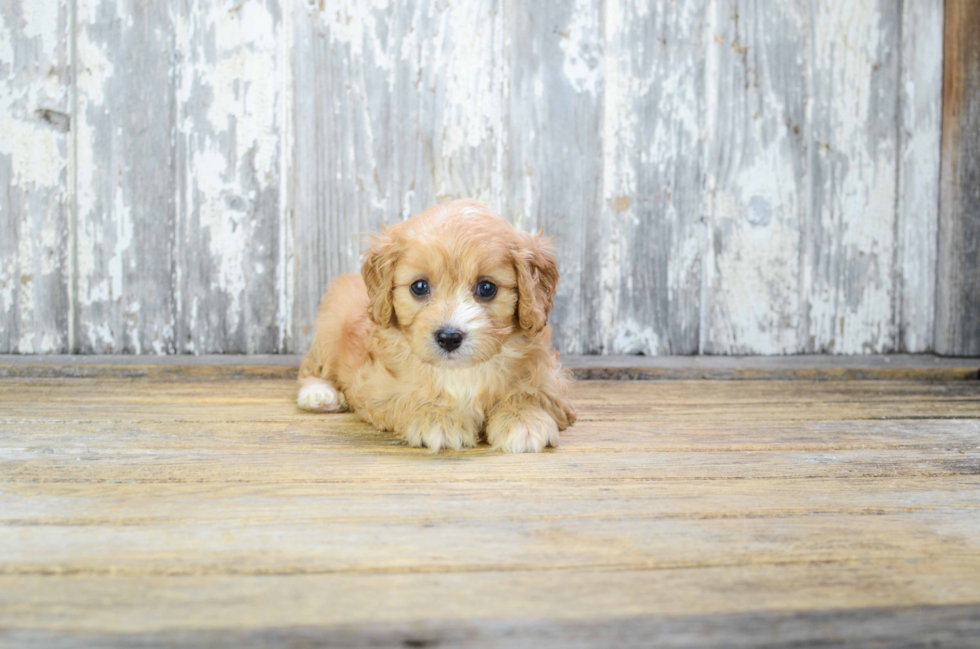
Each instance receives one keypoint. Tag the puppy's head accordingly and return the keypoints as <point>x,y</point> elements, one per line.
<point>457,280</point>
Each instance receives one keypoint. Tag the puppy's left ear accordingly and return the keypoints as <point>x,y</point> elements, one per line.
<point>378,271</point>
<point>537,281</point>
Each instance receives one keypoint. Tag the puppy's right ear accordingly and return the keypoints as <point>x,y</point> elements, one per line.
<point>378,271</point>
<point>537,282</point>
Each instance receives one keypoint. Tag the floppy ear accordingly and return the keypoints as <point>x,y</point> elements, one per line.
<point>537,282</point>
<point>378,271</point>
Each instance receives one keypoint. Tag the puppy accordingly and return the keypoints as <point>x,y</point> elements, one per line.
<point>444,335</point>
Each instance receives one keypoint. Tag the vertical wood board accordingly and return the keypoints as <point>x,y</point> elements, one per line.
<point>228,239</point>
<point>652,228</point>
<point>756,176</point>
<point>958,277</point>
<point>126,189</point>
<point>719,176</point>
<point>35,126</point>
<point>850,236</point>
<point>920,103</point>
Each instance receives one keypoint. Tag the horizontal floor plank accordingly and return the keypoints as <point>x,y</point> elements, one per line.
<point>168,511</point>
<point>806,367</point>
<point>147,604</point>
<point>129,504</point>
<point>314,546</point>
<point>49,438</point>
<point>901,627</point>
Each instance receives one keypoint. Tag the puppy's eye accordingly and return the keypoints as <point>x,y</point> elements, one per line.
<point>420,288</point>
<point>486,290</point>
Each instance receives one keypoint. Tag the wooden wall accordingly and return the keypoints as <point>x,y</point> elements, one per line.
<point>958,286</point>
<point>720,176</point>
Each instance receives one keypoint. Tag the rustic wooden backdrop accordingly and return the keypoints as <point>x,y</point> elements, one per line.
<point>720,176</point>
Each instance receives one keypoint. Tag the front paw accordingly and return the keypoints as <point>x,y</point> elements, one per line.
<point>522,431</point>
<point>316,395</point>
<point>437,431</point>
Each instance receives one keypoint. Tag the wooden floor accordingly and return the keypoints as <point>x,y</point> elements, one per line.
<point>205,510</point>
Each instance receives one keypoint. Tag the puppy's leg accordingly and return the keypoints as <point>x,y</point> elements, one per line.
<point>317,395</point>
<point>521,426</point>
<point>338,348</point>
<point>441,429</point>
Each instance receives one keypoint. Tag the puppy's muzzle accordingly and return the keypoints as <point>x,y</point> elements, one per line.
<point>449,339</point>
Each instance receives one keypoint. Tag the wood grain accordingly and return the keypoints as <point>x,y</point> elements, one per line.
<point>35,199</point>
<point>163,512</point>
<point>227,239</point>
<point>125,174</point>
<point>958,281</point>
<point>920,129</point>
<point>921,367</point>
<point>850,232</point>
<point>719,176</point>
<point>650,298</point>
<point>899,627</point>
<point>756,176</point>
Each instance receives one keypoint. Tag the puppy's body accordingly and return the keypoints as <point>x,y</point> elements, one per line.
<point>442,367</point>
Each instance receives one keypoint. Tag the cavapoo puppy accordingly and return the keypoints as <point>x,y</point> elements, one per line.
<point>444,335</point>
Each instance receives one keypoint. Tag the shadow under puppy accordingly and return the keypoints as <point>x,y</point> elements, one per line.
<point>444,335</point>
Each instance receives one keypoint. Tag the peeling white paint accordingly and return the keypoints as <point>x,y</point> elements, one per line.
<point>753,282</point>
<point>35,151</point>
<point>651,130</point>
<point>8,282</point>
<point>853,314</point>
<point>286,267</point>
<point>867,281</point>
<point>25,301</point>
<point>632,337</point>
<point>354,23</point>
<point>583,55</point>
<point>123,242</point>
<point>471,99</point>
<point>33,171</point>
<point>6,44</point>
<point>231,123</point>
<point>617,134</point>
<point>94,69</point>
<point>918,185</point>
<point>40,22</point>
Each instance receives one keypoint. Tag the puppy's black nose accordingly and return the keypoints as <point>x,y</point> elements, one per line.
<point>449,339</point>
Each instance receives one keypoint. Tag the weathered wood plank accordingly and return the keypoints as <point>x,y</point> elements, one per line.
<point>614,440</point>
<point>850,235</point>
<point>231,124</point>
<point>393,546</point>
<point>153,515</point>
<point>554,151</point>
<point>920,103</point>
<point>826,396</point>
<point>80,505</point>
<point>35,197</point>
<point>391,462</point>
<point>652,237</point>
<point>659,146</point>
<point>126,197</point>
<point>958,282</point>
<point>901,627</point>
<point>103,432</point>
<point>756,177</point>
<point>396,108</point>
<point>283,366</point>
